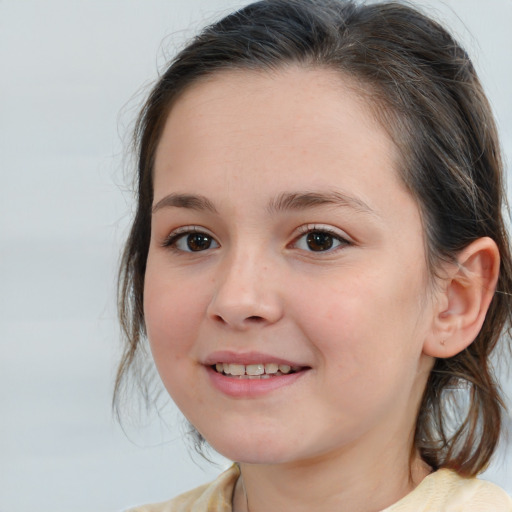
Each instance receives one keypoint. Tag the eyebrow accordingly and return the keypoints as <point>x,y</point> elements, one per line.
<point>305,200</point>
<point>283,202</point>
<point>191,201</point>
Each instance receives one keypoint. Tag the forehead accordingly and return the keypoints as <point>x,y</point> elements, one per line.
<point>293,113</point>
<point>308,127</point>
<point>298,94</point>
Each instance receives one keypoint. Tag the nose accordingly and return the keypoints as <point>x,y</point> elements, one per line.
<point>246,294</point>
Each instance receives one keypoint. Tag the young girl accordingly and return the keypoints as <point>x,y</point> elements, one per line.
<point>319,260</point>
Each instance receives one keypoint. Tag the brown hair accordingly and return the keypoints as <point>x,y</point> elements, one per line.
<point>425,91</point>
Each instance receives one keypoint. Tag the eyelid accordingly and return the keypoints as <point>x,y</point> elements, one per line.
<point>326,228</point>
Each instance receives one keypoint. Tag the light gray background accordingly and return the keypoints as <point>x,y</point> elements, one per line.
<point>69,74</point>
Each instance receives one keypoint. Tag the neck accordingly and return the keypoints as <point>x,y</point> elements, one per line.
<point>358,484</point>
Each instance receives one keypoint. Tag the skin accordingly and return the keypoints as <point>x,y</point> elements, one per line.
<point>358,315</point>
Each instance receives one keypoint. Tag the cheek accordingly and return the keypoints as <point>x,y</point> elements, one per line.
<point>365,320</point>
<point>172,322</point>
<point>172,316</point>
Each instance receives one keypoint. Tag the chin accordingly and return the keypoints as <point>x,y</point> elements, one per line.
<point>253,451</point>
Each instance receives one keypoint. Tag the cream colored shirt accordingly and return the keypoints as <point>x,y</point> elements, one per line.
<point>442,491</point>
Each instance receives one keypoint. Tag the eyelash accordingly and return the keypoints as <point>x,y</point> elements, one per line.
<point>172,240</point>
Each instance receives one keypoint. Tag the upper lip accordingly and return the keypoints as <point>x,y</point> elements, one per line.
<point>226,356</point>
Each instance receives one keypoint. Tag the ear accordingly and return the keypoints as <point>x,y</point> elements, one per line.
<point>465,293</point>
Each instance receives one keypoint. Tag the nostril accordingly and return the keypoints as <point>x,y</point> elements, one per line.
<point>218,318</point>
<point>251,319</point>
<point>255,319</point>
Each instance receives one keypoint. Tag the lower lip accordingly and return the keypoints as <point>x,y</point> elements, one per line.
<point>247,388</point>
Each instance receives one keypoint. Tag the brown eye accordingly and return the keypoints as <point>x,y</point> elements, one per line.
<point>198,242</point>
<point>319,241</point>
<point>191,241</point>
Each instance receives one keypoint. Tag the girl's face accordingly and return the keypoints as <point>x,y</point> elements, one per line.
<point>283,237</point>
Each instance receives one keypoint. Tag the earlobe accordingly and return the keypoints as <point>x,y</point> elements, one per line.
<point>462,303</point>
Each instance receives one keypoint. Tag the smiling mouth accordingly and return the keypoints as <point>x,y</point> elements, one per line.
<point>255,371</point>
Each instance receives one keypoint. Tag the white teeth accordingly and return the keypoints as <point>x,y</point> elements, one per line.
<point>234,369</point>
<point>259,370</point>
<point>255,369</point>
<point>271,368</point>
